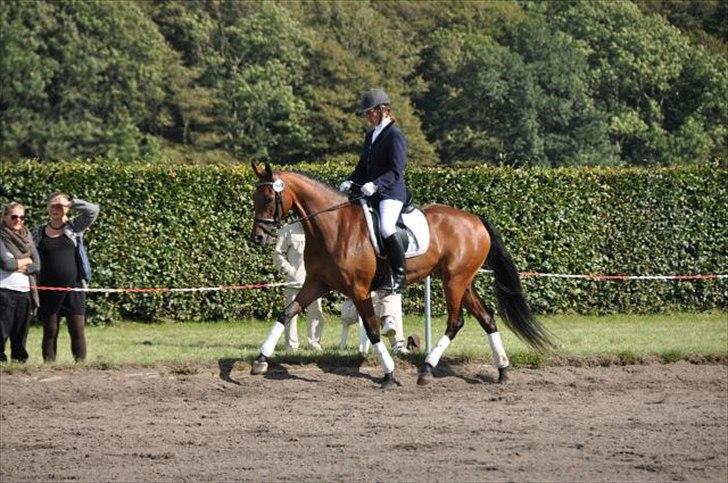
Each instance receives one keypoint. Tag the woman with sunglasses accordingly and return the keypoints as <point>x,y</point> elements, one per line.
<point>380,176</point>
<point>19,261</point>
<point>65,264</point>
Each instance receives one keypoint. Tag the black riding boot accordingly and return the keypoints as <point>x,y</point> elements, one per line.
<point>395,255</point>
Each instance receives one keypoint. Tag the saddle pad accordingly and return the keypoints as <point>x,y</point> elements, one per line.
<point>417,229</point>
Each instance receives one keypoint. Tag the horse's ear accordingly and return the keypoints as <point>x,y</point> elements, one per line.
<point>268,171</point>
<point>256,170</point>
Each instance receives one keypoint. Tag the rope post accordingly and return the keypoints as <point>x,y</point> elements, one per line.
<point>428,317</point>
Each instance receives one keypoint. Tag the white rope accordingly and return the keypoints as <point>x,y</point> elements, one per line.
<point>168,290</point>
<point>597,277</point>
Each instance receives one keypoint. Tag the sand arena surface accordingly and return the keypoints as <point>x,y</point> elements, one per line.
<point>645,422</point>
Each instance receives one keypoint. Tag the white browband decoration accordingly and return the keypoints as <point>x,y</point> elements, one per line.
<point>278,185</point>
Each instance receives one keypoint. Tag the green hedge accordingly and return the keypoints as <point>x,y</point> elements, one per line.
<point>188,226</point>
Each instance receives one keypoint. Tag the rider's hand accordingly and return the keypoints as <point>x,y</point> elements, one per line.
<point>368,189</point>
<point>345,186</point>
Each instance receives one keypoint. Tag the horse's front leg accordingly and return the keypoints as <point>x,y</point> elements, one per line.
<point>310,291</point>
<point>366,310</point>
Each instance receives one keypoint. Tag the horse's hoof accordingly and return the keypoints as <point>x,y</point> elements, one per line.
<point>260,366</point>
<point>503,376</point>
<point>425,376</point>
<point>388,382</point>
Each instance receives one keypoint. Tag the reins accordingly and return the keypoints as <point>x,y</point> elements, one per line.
<point>276,222</point>
<point>326,210</point>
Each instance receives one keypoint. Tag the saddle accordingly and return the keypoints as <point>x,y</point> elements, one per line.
<point>412,228</point>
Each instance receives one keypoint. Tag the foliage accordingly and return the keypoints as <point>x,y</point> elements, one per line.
<point>665,98</point>
<point>188,226</point>
<point>497,82</point>
<point>524,100</point>
<point>80,79</point>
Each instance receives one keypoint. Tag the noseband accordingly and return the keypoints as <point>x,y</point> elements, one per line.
<point>268,225</point>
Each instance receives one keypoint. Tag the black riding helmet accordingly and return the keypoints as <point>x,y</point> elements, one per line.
<point>373,98</point>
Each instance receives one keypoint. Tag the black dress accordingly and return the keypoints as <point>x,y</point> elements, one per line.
<point>60,269</point>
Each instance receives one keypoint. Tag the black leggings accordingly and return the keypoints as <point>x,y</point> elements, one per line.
<point>76,330</point>
<point>15,312</point>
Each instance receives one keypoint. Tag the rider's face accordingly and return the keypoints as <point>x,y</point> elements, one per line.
<point>373,115</point>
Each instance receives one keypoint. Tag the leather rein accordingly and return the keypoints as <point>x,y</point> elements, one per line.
<point>268,225</point>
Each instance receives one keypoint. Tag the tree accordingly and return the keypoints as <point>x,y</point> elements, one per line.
<point>85,79</point>
<point>665,97</point>
<point>573,130</point>
<point>354,49</point>
<point>259,83</point>
<point>481,101</point>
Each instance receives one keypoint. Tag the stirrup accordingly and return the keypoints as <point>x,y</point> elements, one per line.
<point>398,285</point>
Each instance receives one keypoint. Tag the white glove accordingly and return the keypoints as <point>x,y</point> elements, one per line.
<point>368,189</point>
<point>345,186</point>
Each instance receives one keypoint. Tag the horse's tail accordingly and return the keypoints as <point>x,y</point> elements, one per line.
<point>512,303</point>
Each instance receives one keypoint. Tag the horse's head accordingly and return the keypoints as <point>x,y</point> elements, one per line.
<point>268,205</point>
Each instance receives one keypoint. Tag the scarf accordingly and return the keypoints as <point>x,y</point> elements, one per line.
<point>20,245</point>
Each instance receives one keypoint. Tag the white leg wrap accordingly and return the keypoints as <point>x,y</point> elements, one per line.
<point>500,359</point>
<point>270,342</point>
<point>434,356</point>
<point>384,358</point>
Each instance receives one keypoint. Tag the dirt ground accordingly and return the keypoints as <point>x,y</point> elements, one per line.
<point>309,423</point>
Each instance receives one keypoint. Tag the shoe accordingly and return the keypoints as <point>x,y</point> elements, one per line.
<point>401,349</point>
<point>388,329</point>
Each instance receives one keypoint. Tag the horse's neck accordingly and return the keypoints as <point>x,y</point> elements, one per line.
<point>309,199</point>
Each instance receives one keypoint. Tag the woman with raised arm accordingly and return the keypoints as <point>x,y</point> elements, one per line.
<point>65,264</point>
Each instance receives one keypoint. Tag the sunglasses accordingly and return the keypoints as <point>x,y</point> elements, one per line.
<point>57,205</point>
<point>17,217</point>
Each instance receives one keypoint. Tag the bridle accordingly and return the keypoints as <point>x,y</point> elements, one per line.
<point>268,225</point>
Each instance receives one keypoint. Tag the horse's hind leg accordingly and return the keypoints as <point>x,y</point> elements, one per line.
<point>453,296</point>
<point>371,325</point>
<point>477,307</point>
<point>308,293</point>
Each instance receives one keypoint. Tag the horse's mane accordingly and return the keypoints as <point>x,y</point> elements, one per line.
<point>319,183</point>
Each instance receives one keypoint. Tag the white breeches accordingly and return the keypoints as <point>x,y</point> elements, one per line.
<point>385,305</point>
<point>389,211</point>
<point>315,321</point>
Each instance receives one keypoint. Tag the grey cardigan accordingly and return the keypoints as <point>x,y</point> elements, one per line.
<point>9,263</point>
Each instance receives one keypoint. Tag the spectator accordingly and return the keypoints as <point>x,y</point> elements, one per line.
<point>19,262</point>
<point>65,264</point>
<point>288,257</point>
<point>388,309</point>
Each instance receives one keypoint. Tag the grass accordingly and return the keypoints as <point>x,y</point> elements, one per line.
<point>621,339</point>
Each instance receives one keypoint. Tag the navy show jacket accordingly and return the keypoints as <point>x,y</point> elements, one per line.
<point>383,163</point>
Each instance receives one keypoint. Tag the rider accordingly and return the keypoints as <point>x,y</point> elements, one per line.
<point>380,175</point>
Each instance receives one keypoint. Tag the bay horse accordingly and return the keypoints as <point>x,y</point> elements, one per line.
<point>339,256</point>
